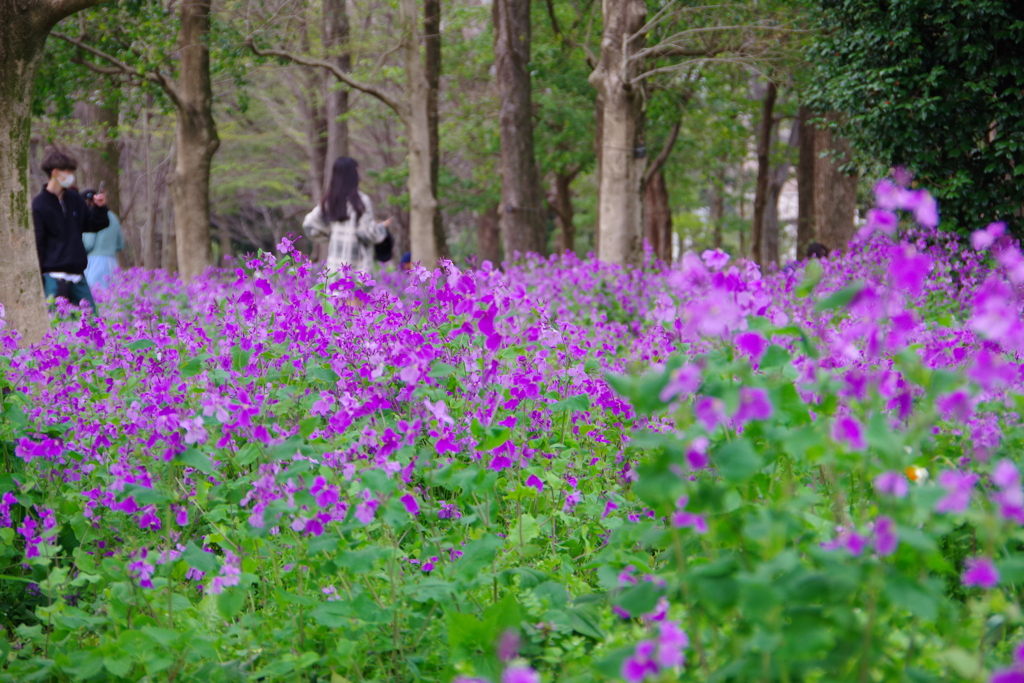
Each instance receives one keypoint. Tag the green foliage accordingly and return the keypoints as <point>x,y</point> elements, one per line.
<point>934,85</point>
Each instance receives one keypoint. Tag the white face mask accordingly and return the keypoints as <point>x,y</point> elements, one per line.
<point>67,181</point>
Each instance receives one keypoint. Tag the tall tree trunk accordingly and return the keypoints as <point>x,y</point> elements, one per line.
<point>169,257</point>
<point>805,226</point>
<point>196,141</point>
<point>717,209</point>
<point>598,146</point>
<point>335,37</point>
<point>422,203</point>
<point>764,141</point>
<point>522,200</point>
<point>487,236</point>
<point>101,161</point>
<point>658,216</point>
<point>21,285</point>
<point>622,158</point>
<point>561,202</point>
<point>432,66</point>
<point>149,255</point>
<point>770,236</point>
<point>835,193</point>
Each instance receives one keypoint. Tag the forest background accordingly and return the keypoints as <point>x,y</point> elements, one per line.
<point>755,127</point>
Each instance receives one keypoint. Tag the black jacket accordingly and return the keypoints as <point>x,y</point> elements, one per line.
<point>59,230</point>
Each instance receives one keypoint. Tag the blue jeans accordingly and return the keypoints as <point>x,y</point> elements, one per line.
<point>72,291</point>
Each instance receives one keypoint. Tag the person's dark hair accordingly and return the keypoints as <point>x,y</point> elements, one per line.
<point>343,192</point>
<point>56,159</point>
<point>817,250</point>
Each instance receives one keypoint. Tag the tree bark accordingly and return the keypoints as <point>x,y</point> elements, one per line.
<point>717,209</point>
<point>522,200</point>
<point>149,255</point>
<point>432,67</point>
<point>169,257</point>
<point>101,161</point>
<point>335,38</point>
<point>23,30</point>
<point>805,226</point>
<point>561,202</point>
<point>658,216</point>
<point>622,156</point>
<point>487,236</point>
<point>764,140</point>
<point>835,193</point>
<point>598,146</point>
<point>426,248</point>
<point>196,141</point>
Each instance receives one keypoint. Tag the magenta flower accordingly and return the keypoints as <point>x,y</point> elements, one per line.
<point>520,674</point>
<point>412,506</point>
<point>641,665</point>
<point>508,645</point>
<point>716,259</point>
<point>923,206</point>
<point>710,411</point>
<point>684,380</point>
<point>682,519</point>
<point>885,536</point>
<point>534,481</point>
<point>959,486</point>
<point>981,572</point>
<point>754,405</point>
<point>751,345</point>
<point>849,431</point>
<point>892,483</point>
<point>880,220</point>
<point>983,239</point>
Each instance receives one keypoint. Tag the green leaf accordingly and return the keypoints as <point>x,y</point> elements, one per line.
<point>141,344</point>
<point>838,299</point>
<point>496,439</point>
<point>247,454</point>
<point>325,543</point>
<point>190,368</point>
<point>308,426</point>
<point>812,276</point>
<point>478,554</point>
<point>194,458</point>
<point>439,370</point>
<point>198,558</point>
<point>775,357</point>
<point>230,601</point>
<point>579,402</point>
<point>335,614</point>
<point>737,460</point>
<point>640,599</point>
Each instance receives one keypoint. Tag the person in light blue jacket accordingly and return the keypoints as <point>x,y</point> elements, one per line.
<point>102,248</point>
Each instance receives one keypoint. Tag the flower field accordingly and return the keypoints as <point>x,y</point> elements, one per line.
<point>564,471</point>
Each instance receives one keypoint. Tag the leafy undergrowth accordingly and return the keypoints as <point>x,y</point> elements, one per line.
<point>562,472</point>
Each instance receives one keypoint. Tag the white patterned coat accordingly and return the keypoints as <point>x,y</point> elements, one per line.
<point>351,241</point>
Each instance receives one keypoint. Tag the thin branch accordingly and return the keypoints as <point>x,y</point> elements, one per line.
<point>396,106</point>
<point>151,76</point>
<point>662,157</point>
<point>744,61</point>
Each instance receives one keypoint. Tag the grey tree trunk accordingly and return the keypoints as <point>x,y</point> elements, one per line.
<point>335,37</point>
<point>805,226</point>
<point>622,158</point>
<point>149,255</point>
<point>658,216</point>
<point>717,209</point>
<point>598,145</point>
<point>23,30</point>
<point>764,139</point>
<point>196,141</point>
<point>561,202</point>
<point>422,201</point>
<point>101,162</point>
<point>522,200</point>
<point>835,193</point>
<point>432,67</point>
<point>487,237</point>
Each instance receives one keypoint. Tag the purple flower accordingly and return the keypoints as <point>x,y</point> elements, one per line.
<point>983,239</point>
<point>685,520</point>
<point>754,405</point>
<point>684,380</point>
<point>881,220</point>
<point>956,406</point>
<point>886,537</point>
<point>641,665</point>
<point>959,486</point>
<point>366,511</point>
<point>710,411</point>
<point>571,501</point>
<point>412,506</point>
<point>520,674</point>
<point>849,431</point>
<point>449,511</point>
<point>752,345</point>
<point>716,259</point>
<point>924,207</point>
<point>980,571</point>
<point>508,645</point>
<point>892,483</point>
<point>853,542</point>
<point>1005,474</point>
<point>534,481</point>
<point>672,640</point>
<point>429,565</point>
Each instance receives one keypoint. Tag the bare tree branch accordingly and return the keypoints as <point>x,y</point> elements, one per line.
<point>151,76</point>
<point>662,157</point>
<point>49,12</point>
<point>398,107</point>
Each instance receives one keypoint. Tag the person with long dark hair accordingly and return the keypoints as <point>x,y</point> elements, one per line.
<point>345,217</point>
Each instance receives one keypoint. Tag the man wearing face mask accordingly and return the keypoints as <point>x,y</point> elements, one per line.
<point>61,216</point>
